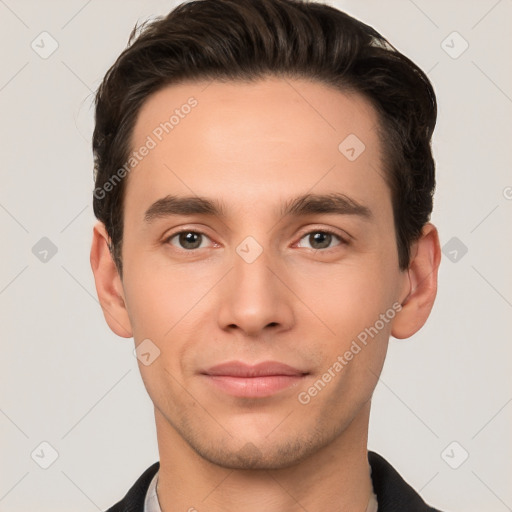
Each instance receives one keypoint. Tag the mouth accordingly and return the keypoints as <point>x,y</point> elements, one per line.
<point>253,381</point>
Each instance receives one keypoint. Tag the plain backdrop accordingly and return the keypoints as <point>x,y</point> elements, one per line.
<point>68,382</point>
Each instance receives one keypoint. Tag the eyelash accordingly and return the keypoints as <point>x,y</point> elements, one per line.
<point>343,241</point>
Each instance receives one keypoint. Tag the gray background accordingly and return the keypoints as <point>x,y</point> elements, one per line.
<point>68,381</point>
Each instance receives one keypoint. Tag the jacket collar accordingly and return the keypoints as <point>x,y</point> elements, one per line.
<point>393,493</point>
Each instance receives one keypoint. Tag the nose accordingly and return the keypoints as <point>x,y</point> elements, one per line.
<point>254,297</point>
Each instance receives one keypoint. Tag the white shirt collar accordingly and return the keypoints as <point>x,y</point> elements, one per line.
<point>151,503</point>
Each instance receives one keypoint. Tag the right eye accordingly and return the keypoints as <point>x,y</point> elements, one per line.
<point>187,239</point>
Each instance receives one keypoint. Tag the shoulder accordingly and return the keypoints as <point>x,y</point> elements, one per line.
<point>134,498</point>
<point>393,493</point>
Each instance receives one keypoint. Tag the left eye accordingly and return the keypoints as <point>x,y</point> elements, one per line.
<point>321,239</point>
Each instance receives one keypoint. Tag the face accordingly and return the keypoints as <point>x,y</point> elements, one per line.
<point>271,314</point>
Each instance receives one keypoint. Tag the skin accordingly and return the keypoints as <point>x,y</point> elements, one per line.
<point>254,146</point>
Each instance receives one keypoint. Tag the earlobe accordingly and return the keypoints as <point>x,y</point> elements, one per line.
<point>108,283</point>
<point>422,271</point>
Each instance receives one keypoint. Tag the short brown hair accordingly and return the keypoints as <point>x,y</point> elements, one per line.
<point>252,39</point>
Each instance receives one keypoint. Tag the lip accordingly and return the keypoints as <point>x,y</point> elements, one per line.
<point>253,381</point>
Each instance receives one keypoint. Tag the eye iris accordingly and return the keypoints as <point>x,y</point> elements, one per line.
<point>190,240</point>
<point>324,240</point>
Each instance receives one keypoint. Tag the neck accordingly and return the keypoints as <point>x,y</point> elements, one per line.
<point>335,478</point>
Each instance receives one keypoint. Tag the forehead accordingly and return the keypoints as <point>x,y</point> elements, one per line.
<point>255,141</point>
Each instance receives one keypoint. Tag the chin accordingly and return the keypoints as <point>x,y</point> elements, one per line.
<point>260,454</point>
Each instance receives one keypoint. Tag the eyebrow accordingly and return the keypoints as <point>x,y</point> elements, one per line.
<point>307,204</point>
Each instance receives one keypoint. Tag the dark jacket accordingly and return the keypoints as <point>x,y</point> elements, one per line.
<point>393,493</point>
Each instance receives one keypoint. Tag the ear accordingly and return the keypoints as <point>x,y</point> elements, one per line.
<point>109,286</point>
<point>417,305</point>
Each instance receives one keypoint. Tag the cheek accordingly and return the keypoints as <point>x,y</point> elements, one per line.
<point>162,383</point>
<point>360,313</point>
<point>148,305</point>
<point>350,296</point>
<point>159,295</point>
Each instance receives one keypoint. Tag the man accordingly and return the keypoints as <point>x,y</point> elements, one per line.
<point>264,182</point>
